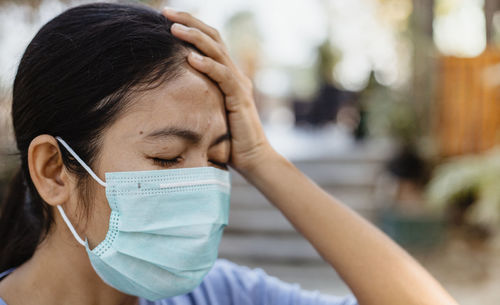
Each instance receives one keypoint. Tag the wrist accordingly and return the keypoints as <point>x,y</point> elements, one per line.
<point>261,164</point>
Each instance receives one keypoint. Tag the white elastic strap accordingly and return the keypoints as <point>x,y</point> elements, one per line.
<point>70,226</point>
<point>88,169</point>
<point>193,183</point>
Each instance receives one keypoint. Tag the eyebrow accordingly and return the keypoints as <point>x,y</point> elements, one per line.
<point>186,134</point>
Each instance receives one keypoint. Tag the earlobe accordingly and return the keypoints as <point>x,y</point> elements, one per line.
<point>47,170</point>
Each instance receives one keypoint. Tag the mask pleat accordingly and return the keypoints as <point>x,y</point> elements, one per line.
<point>162,283</point>
<point>171,211</point>
<point>184,254</point>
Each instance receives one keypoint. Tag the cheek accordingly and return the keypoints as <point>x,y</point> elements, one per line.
<point>122,156</point>
<point>98,221</point>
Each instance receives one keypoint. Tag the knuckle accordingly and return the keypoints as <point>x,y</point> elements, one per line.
<point>212,64</point>
<point>246,103</point>
<point>184,15</point>
<point>220,52</point>
<point>213,32</point>
<point>197,33</point>
<point>227,73</point>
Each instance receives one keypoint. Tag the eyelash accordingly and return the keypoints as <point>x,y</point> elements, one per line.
<point>171,162</point>
<point>166,162</point>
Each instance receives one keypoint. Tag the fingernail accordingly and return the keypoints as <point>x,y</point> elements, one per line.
<point>169,10</point>
<point>180,27</point>
<point>196,56</point>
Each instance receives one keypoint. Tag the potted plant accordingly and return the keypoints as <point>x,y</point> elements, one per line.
<point>467,189</point>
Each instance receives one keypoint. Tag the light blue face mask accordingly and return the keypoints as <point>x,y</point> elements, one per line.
<point>164,229</point>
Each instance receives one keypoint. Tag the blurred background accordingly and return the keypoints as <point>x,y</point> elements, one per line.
<point>392,106</point>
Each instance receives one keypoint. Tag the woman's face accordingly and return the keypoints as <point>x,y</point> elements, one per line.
<point>181,123</point>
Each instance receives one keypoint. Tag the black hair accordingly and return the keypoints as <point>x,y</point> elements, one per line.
<point>74,79</point>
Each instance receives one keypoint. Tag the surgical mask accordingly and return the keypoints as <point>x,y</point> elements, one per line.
<point>164,229</point>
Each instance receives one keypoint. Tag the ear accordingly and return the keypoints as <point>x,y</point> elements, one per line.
<point>47,170</point>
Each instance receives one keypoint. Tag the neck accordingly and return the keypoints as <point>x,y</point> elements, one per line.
<point>59,272</point>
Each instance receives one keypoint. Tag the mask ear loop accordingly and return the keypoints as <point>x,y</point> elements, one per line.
<point>88,169</point>
<point>91,173</point>
<point>70,226</point>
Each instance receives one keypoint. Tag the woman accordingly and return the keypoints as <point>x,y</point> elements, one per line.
<point>125,125</point>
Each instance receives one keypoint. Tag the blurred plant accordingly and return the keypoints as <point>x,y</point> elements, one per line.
<point>470,183</point>
<point>244,41</point>
<point>390,114</point>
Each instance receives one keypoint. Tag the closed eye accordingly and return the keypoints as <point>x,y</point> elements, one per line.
<point>166,162</point>
<point>177,160</point>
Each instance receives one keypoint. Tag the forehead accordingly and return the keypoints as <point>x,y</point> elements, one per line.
<point>191,100</point>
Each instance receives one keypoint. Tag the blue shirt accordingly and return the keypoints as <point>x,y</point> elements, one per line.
<point>228,283</point>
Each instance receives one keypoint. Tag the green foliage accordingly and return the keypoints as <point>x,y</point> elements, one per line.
<point>469,176</point>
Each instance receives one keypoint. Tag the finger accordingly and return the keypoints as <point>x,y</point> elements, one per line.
<point>218,72</point>
<point>188,20</point>
<point>201,40</point>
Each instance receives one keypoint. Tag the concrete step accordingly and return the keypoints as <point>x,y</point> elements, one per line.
<point>282,248</point>
<point>247,197</point>
<point>269,221</point>
<point>257,231</point>
<point>352,183</point>
<point>258,221</point>
<point>333,173</point>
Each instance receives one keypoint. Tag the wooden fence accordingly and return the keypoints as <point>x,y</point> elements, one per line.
<point>468,103</point>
